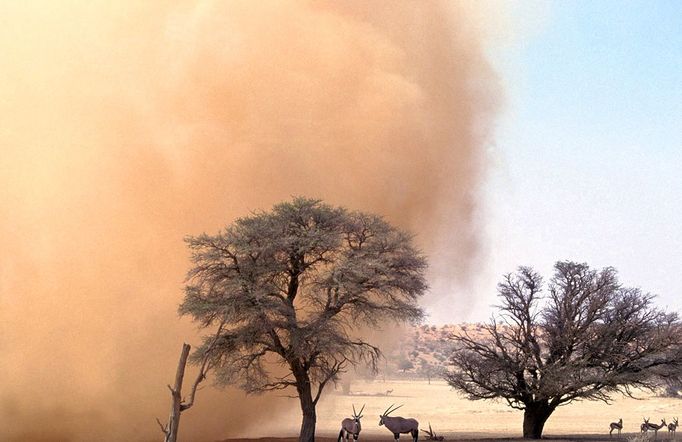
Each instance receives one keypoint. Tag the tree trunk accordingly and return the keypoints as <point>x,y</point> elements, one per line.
<point>305,395</point>
<point>170,430</point>
<point>534,417</point>
<point>308,425</point>
<point>176,396</point>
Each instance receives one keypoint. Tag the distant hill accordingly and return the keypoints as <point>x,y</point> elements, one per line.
<point>423,351</point>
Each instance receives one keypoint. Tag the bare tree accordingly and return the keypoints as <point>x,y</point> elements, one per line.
<point>587,338</point>
<point>178,403</point>
<point>292,286</point>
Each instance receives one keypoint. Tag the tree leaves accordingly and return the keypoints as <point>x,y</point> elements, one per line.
<point>587,338</point>
<point>292,285</point>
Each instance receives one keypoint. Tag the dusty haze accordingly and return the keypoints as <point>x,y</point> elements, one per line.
<point>126,125</point>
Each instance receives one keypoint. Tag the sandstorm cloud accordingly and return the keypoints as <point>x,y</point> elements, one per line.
<point>128,125</point>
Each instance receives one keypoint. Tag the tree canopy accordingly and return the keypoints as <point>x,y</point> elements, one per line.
<point>586,338</point>
<point>289,289</point>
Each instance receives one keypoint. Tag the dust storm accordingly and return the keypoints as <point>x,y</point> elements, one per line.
<point>127,125</point>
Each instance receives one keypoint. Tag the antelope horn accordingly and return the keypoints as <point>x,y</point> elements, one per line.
<point>386,412</point>
<point>360,413</point>
<point>395,409</point>
<point>354,413</point>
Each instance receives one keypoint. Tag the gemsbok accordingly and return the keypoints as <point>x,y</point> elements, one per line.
<point>654,427</point>
<point>399,425</point>
<point>672,427</point>
<point>351,426</point>
<point>432,434</point>
<point>616,426</point>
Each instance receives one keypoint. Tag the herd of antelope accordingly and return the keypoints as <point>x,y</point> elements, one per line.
<point>648,426</point>
<point>395,424</point>
<point>400,425</point>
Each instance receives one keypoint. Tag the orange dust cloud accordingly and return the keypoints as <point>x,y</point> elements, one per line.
<point>127,125</point>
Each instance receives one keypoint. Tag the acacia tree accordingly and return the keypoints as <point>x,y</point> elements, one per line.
<point>290,287</point>
<point>587,338</point>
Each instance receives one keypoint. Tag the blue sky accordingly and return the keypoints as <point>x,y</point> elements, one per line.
<point>587,156</point>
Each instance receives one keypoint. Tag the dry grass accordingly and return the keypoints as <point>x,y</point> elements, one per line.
<point>464,438</point>
<point>459,419</point>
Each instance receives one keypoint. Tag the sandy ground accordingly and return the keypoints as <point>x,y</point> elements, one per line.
<point>457,418</point>
<point>465,438</point>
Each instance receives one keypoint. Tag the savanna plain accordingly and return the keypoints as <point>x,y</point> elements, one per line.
<point>457,418</point>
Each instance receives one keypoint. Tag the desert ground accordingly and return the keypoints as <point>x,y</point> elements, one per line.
<point>457,418</point>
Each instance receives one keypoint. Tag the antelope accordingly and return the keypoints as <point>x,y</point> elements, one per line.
<point>672,427</point>
<point>388,392</point>
<point>432,434</point>
<point>351,426</point>
<point>616,426</point>
<point>645,426</point>
<point>650,426</point>
<point>398,425</point>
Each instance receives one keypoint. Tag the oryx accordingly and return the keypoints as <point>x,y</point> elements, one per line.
<point>398,425</point>
<point>351,426</point>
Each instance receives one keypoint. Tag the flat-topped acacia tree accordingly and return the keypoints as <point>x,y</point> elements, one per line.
<point>585,338</point>
<point>290,288</point>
